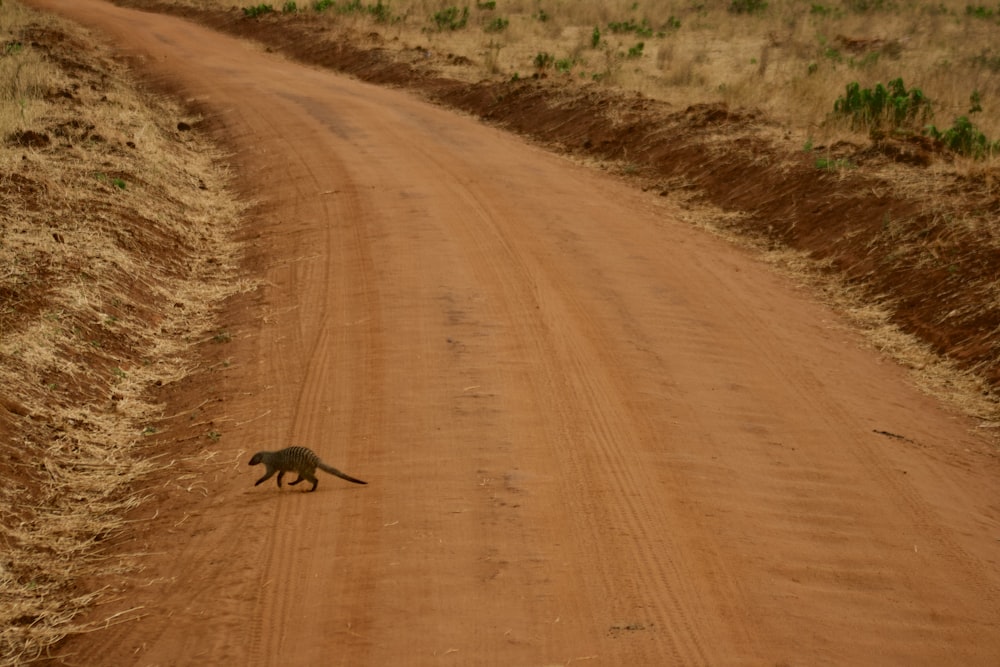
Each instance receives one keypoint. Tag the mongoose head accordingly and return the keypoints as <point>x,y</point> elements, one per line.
<point>256,458</point>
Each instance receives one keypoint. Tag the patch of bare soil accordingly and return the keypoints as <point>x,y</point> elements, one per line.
<point>895,219</point>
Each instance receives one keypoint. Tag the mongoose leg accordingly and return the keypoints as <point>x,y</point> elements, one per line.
<point>266,477</point>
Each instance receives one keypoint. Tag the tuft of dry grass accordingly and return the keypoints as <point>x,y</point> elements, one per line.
<point>116,250</point>
<point>25,76</point>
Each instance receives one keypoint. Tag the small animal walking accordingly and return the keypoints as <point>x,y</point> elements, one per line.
<point>296,459</point>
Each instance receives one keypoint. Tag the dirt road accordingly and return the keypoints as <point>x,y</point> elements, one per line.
<point>591,434</point>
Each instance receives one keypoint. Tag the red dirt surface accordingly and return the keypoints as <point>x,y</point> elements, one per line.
<point>927,252</point>
<point>591,433</point>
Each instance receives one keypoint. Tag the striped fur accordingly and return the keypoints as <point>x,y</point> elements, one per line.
<point>301,460</point>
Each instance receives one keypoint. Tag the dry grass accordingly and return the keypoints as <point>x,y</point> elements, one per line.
<point>791,60</point>
<point>24,75</point>
<point>116,250</point>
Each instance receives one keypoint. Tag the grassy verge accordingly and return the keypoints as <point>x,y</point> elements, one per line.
<point>115,227</point>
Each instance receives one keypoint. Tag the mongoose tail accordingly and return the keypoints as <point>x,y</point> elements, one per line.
<point>333,471</point>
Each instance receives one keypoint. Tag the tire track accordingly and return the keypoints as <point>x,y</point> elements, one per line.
<point>338,364</point>
<point>818,502</point>
<point>568,374</point>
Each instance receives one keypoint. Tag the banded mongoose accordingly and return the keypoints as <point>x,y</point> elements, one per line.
<point>296,459</point>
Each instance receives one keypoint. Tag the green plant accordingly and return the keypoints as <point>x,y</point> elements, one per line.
<point>489,4</point>
<point>636,51</point>
<point>975,102</point>
<point>965,139</point>
<point>117,182</point>
<point>451,18</point>
<point>747,6</point>
<point>290,7</point>
<point>891,106</point>
<point>564,64</point>
<point>542,15</point>
<point>833,164</point>
<point>256,11</point>
<point>322,5</point>
<point>868,60</point>
<point>642,29</point>
<point>864,6</point>
<point>379,11</point>
<point>595,38</point>
<point>497,25</point>
<point>543,60</point>
<point>979,12</point>
<point>213,436</point>
<point>988,60</point>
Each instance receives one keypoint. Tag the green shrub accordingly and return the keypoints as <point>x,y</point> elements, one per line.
<point>636,51</point>
<point>380,11</point>
<point>965,139</point>
<point>865,6</point>
<point>595,38</point>
<point>451,18</point>
<point>543,60</point>
<point>489,4</point>
<point>564,65</point>
<point>979,12</point>
<point>747,6</point>
<point>497,25</point>
<point>290,7</point>
<point>884,107</point>
<point>257,11</point>
<point>642,29</point>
